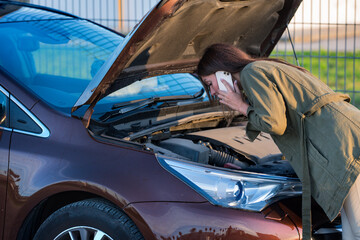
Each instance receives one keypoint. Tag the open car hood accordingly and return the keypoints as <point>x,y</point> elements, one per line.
<point>172,37</point>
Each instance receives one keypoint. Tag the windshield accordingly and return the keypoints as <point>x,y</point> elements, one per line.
<point>184,87</point>
<point>165,85</point>
<point>55,59</point>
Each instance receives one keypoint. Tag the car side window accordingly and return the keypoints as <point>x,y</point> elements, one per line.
<point>4,109</point>
<point>21,121</point>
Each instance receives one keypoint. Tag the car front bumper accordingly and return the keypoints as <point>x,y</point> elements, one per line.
<point>177,220</point>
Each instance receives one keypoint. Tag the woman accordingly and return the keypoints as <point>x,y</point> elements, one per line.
<point>316,129</point>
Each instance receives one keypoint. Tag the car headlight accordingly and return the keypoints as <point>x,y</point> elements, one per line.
<point>233,189</point>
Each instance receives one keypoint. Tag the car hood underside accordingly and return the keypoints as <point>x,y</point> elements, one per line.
<point>172,37</point>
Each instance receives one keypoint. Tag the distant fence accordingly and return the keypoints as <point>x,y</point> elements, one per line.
<point>326,37</point>
<point>325,34</point>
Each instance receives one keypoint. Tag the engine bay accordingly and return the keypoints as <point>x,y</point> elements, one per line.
<point>204,138</point>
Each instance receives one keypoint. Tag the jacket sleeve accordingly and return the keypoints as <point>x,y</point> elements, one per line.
<point>267,110</point>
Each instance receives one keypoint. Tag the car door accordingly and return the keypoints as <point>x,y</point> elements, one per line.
<point>5,134</point>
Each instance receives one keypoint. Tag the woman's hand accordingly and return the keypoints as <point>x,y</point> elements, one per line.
<point>234,99</point>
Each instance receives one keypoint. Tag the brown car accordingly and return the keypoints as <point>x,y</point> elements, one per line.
<point>110,137</point>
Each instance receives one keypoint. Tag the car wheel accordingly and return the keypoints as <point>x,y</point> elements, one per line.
<point>91,219</point>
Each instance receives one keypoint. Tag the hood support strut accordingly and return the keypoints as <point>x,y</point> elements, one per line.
<point>87,116</point>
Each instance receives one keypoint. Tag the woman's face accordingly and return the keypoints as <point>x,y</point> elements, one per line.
<point>211,82</point>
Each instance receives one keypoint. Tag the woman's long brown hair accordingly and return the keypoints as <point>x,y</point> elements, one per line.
<point>226,57</point>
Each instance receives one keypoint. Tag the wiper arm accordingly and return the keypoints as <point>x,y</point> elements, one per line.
<point>133,105</point>
<point>159,99</point>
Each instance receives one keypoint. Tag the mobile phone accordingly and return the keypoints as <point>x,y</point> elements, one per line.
<point>227,77</point>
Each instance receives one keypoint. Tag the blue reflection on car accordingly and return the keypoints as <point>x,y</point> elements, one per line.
<point>56,56</point>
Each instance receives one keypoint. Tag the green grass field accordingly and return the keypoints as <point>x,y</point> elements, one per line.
<point>341,71</point>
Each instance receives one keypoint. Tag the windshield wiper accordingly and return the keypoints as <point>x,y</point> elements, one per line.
<point>133,105</point>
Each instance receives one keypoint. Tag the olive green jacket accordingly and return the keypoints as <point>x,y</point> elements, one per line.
<point>304,116</point>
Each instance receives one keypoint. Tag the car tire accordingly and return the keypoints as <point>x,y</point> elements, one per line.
<point>88,219</point>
